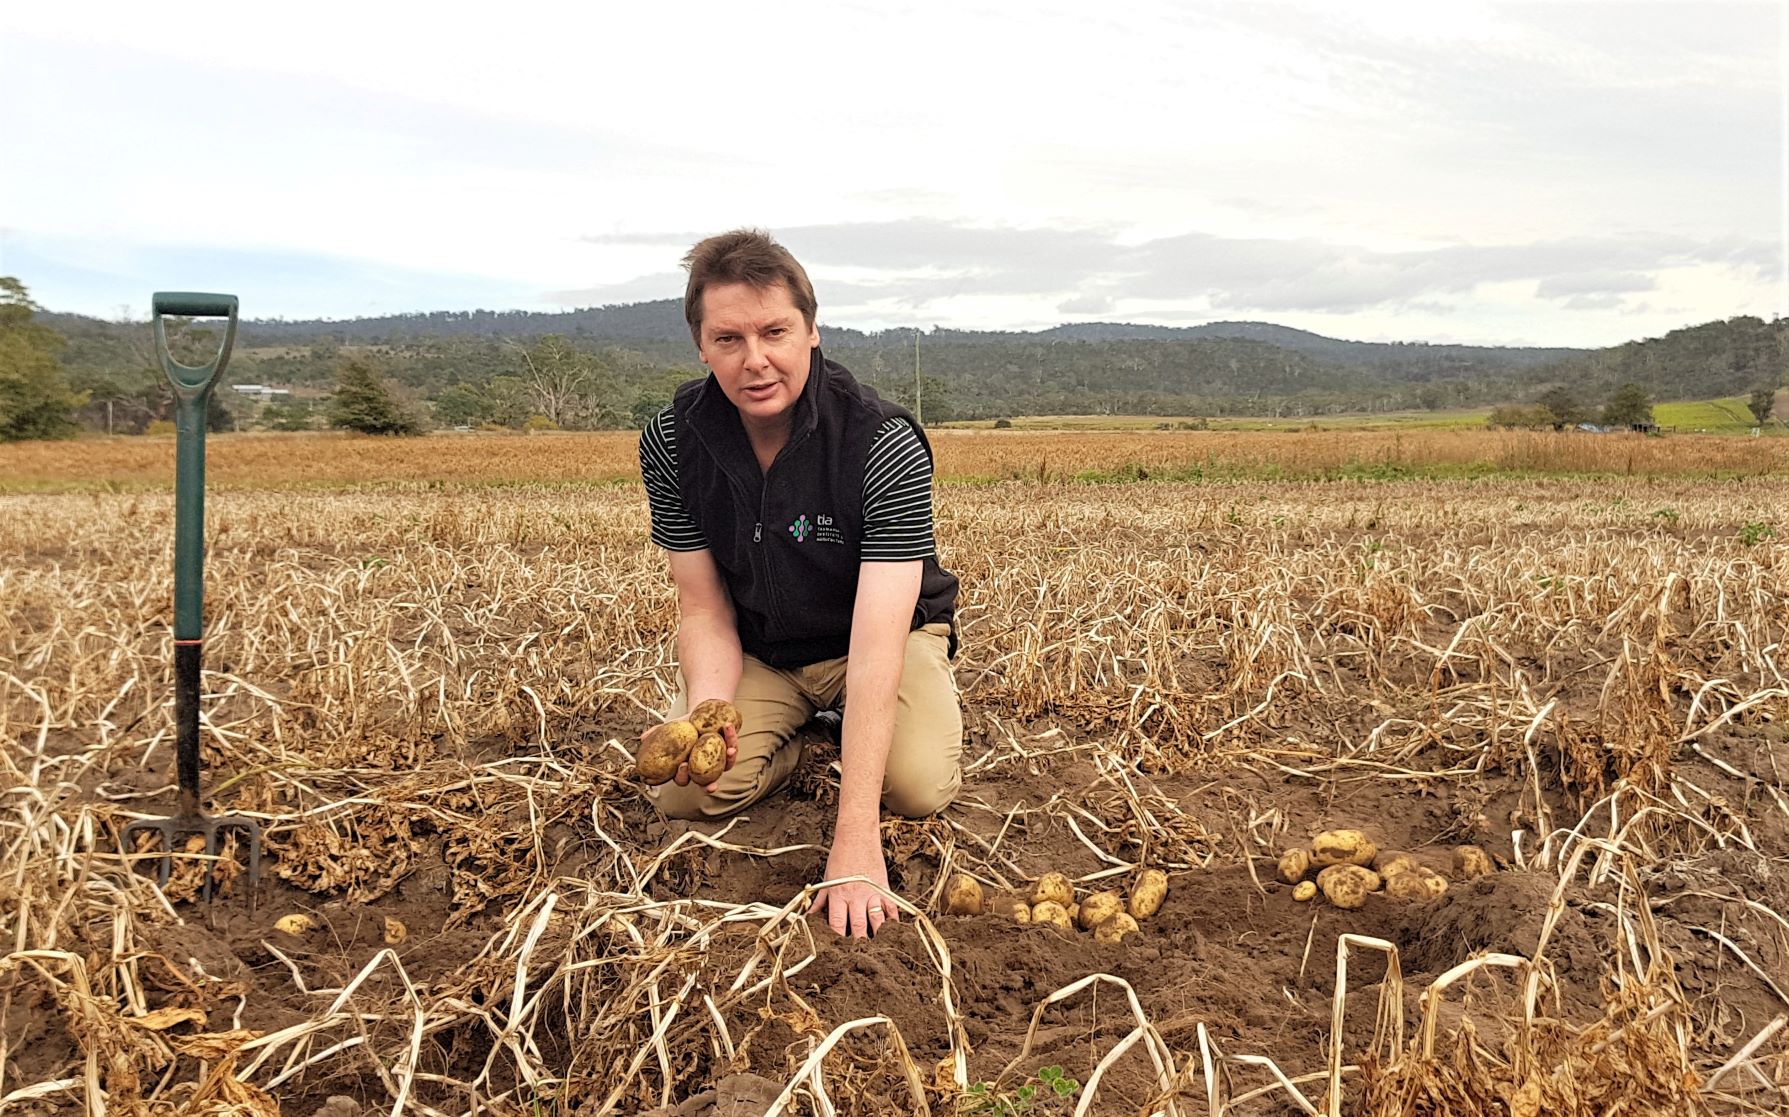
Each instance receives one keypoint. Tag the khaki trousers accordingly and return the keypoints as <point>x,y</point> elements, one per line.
<point>924,760</point>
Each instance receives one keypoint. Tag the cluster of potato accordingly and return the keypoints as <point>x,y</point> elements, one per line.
<point>1107,914</point>
<point>1349,865</point>
<point>696,738</point>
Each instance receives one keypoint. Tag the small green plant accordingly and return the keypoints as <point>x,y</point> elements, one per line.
<point>1755,532</point>
<point>1669,515</point>
<point>983,1098</point>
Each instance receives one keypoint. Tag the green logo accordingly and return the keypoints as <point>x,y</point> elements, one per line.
<point>801,529</point>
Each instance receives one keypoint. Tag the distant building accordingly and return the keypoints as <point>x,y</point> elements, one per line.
<point>261,393</point>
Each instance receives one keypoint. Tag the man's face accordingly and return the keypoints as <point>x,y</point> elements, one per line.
<point>759,347</point>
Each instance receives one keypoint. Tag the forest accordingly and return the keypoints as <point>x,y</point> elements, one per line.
<point>611,367</point>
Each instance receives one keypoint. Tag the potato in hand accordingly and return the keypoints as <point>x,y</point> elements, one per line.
<point>714,714</point>
<point>708,759</point>
<point>662,749</point>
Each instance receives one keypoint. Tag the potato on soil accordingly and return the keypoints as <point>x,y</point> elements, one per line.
<point>1471,861</point>
<point>1098,908</point>
<point>1148,893</point>
<point>962,896</point>
<point>1347,886</point>
<point>1053,913</point>
<point>1074,914</point>
<point>1415,886</point>
<point>708,759</point>
<point>710,715</point>
<point>1053,888</point>
<point>1391,861</point>
<point>1016,909</point>
<point>1294,864</point>
<point>297,923</point>
<point>1305,890</point>
<point>1114,929</point>
<point>662,749</point>
<point>1342,847</point>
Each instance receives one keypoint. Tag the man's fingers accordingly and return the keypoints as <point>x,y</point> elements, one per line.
<point>682,778</point>
<point>838,914</point>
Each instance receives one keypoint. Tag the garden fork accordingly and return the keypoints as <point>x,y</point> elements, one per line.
<point>192,393</point>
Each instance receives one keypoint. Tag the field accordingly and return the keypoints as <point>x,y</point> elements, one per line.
<point>425,659</point>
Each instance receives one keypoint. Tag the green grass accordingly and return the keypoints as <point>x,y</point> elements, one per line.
<point>1712,415</point>
<point>1473,418</point>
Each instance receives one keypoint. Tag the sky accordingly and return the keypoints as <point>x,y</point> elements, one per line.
<point>1570,172</point>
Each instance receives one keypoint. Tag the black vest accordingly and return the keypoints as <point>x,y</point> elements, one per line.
<point>787,542</point>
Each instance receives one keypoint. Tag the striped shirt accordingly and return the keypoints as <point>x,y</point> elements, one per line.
<point>897,493</point>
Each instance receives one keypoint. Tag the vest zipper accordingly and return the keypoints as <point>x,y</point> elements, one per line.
<point>758,529</point>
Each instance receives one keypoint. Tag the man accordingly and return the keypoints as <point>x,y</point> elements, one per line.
<point>795,506</point>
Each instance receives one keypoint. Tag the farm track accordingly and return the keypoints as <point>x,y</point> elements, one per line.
<point>426,696</point>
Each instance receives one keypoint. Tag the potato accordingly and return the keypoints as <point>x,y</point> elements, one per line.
<point>1098,908</point>
<point>1148,893</point>
<point>663,748</point>
<point>708,759</point>
<point>710,715</point>
<point>1389,862</point>
<point>1294,864</point>
<point>1017,910</point>
<point>1074,914</point>
<point>1471,861</point>
<point>1347,886</point>
<point>1053,888</point>
<point>1414,886</point>
<point>1114,929</point>
<point>297,923</point>
<point>962,896</point>
<point>1305,890</point>
<point>1053,913</point>
<point>1342,847</point>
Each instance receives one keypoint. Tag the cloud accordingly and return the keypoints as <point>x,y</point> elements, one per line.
<point>923,261</point>
<point>1594,283</point>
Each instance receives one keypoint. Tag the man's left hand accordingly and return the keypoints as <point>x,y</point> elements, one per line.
<point>854,907</point>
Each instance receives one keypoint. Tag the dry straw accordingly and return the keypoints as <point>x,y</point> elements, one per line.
<point>439,681</point>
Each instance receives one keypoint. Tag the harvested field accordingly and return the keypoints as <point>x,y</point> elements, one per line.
<point>426,696</point>
<point>338,461</point>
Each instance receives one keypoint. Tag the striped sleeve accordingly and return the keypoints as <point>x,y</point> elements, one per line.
<point>897,496</point>
<point>672,527</point>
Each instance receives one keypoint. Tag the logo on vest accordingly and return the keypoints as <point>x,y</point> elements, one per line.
<point>821,529</point>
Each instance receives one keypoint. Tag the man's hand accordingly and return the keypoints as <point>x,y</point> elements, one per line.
<point>731,736</point>
<point>856,908</point>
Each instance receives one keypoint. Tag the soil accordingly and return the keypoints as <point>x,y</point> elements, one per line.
<point>1230,948</point>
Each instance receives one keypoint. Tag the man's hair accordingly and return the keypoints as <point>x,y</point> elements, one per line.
<point>744,256</point>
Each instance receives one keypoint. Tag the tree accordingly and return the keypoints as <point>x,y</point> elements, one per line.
<point>35,399</point>
<point>362,402</point>
<point>1764,398</point>
<point>1629,405</point>
<point>1563,406</point>
<point>569,386</point>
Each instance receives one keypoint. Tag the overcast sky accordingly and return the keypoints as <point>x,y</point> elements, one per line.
<point>1571,172</point>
